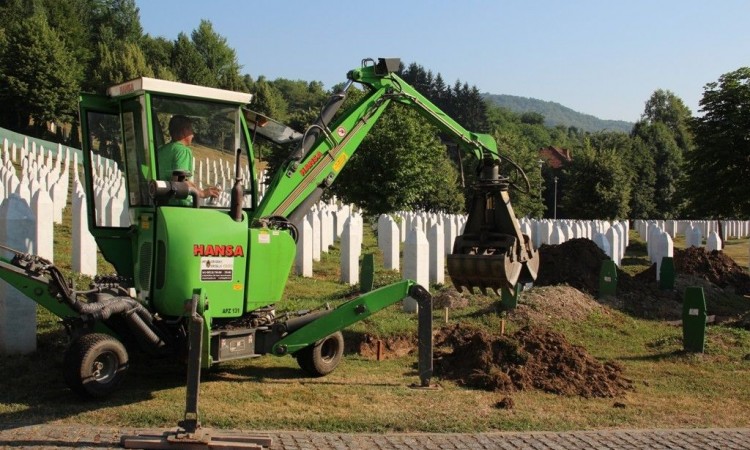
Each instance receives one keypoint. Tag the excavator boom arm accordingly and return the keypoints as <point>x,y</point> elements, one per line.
<point>492,244</point>
<point>318,162</point>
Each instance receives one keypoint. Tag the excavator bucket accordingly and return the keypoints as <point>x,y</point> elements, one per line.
<point>492,253</point>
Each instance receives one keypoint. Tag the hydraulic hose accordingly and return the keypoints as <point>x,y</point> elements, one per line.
<point>321,123</point>
<point>139,319</point>
<point>139,326</point>
<point>296,323</point>
<point>136,316</point>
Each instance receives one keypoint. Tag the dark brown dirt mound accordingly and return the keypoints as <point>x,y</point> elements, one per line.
<point>532,358</point>
<point>576,262</point>
<point>714,266</point>
<point>387,348</point>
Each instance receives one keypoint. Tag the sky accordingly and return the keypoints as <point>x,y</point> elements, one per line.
<point>598,57</point>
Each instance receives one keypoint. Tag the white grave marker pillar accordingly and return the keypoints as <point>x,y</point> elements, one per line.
<point>83,257</point>
<point>17,312</point>
<point>416,263</point>
<point>350,251</point>
<point>303,261</point>
<point>436,240</point>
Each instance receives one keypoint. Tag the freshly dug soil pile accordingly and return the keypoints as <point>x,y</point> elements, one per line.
<point>714,266</point>
<point>532,358</point>
<point>449,298</point>
<point>545,303</point>
<point>576,262</point>
<point>387,348</point>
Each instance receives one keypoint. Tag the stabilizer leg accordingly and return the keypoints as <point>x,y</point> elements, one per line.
<point>190,435</point>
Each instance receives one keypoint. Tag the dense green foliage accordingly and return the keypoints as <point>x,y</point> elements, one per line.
<point>400,165</point>
<point>719,167</point>
<point>38,81</point>
<point>669,164</point>
<point>596,185</point>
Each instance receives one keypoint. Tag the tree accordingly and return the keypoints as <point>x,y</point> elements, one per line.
<point>514,147</point>
<point>664,131</point>
<point>439,91</point>
<point>39,75</point>
<point>668,161</point>
<point>158,54</point>
<point>71,19</point>
<point>665,107</point>
<point>125,61</point>
<point>596,186</point>
<point>188,63</point>
<point>401,164</point>
<point>218,57</point>
<point>113,24</point>
<point>641,167</point>
<point>301,95</point>
<point>532,118</point>
<point>719,167</point>
<point>268,100</point>
<point>120,16</point>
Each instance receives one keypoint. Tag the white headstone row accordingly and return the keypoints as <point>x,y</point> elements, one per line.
<point>110,194</point>
<point>611,237</point>
<point>29,207</point>
<point>37,173</point>
<point>737,229</point>
<point>43,188</point>
<point>221,174</point>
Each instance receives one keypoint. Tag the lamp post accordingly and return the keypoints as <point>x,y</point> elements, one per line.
<point>541,186</point>
<point>555,216</point>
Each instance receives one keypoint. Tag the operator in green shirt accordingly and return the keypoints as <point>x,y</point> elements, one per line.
<point>176,155</point>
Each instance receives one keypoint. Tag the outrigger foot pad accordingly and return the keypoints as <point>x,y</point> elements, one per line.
<point>201,439</point>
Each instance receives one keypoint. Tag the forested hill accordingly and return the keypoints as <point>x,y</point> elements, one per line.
<point>557,114</point>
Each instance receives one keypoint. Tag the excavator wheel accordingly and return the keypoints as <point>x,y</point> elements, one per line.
<point>94,365</point>
<point>323,357</point>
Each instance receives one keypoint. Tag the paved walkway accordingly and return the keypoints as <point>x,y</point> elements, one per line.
<point>86,437</point>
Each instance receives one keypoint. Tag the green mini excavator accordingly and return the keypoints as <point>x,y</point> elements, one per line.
<point>203,278</point>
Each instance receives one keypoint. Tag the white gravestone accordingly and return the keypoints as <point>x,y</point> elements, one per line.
<point>416,263</point>
<point>17,312</point>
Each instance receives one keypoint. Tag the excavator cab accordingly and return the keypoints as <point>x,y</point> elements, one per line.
<point>152,224</point>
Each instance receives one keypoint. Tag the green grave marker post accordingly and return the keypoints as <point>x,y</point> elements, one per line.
<point>694,320</point>
<point>608,278</point>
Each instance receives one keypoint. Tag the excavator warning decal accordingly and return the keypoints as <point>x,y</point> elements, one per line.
<point>217,269</point>
<point>340,161</point>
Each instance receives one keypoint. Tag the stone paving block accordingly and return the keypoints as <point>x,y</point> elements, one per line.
<point>73,436</point>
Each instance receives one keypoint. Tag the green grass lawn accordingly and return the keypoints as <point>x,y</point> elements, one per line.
<point>671,388</point>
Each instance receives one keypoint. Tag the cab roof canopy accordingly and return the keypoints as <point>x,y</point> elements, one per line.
<point>154,86</point>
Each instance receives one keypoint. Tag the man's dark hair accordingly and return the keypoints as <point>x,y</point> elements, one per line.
<point>180,127</point>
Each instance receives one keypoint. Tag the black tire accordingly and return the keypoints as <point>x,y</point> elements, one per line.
<point>323,357</point>
<point>94,365</point>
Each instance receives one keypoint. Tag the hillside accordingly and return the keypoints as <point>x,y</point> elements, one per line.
<point>557,114</point>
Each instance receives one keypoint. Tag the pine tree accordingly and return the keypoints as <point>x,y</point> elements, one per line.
<point>39,77</point>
